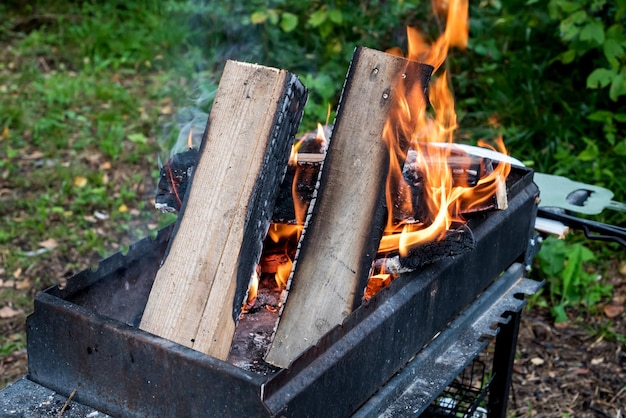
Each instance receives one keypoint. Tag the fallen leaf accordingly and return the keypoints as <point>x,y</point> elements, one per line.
<point>8,283</point>
<point>80,181</point>
<point>17,273</point>
<point>561,325</point>
<point>166,110</point>
<point>49,244</point>
<point>23,284</point>
<point>34,156</point>
<point>105,165</point>
<point>581,371</point>
<point>123,208</point>
<point>5,133</point>
<point>596,361</point>
<point>612,311</point>
<point>8,312</point>
<point>537,361</point>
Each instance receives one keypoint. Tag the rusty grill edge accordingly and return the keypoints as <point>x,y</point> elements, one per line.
<point>85,336</point>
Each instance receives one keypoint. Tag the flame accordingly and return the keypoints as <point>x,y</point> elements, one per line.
<point>289,234</point>
<point>252,292</point>
<point>445,197</point>
<point>282,273</point>
<point>190,138</point>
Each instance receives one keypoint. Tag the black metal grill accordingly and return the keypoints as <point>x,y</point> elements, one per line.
<point>85,336</point>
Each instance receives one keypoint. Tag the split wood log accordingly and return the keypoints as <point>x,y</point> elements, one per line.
<point>199,290</point>
<point>346,219</point>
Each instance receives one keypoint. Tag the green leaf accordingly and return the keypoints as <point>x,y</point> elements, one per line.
<point>568,56</point>
<point>600,77</point>
<point>552,256</point>
<point>258,17</point>
<point>593,31</point>
<point>590,153</point>
<point>335,16</point>
<point>601,116</point>
<point>613,51</point>
<point>288,22</point>
<point>572,269</point>
<point>273,17</point>
<point>620,148</point>
<point>317,17</point>
<point>615,32</point>
<point>138,138</point>
<point>558,311</point>
<point>620,117</point>
<point>618,85</point>
<point>570,27</point>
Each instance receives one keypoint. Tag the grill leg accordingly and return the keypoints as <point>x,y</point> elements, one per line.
<point>503,358</point>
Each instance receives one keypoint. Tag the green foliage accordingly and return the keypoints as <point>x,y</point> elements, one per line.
<point>82,85</point>
<point>525,76</point>
<point>314,39</point>
<point>595,28</point>
<point>569,282</point>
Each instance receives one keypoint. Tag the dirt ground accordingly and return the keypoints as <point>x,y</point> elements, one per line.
<point>577,368</point>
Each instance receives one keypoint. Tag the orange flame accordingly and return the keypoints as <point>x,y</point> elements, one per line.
<point>190,139</point>
<point>290,233</point>
<point>410,124</point>
<point>252,292</point>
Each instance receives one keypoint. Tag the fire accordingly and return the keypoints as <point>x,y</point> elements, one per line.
<point>283,235</point>
<point>252,292</point>
<point>431,136</point>
<point>190,139</point>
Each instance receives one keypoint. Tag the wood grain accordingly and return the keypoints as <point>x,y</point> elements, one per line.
<point>346,221</point>
<point>198,291</point>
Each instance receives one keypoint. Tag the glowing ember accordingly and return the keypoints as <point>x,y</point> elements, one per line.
<point>282,238</point>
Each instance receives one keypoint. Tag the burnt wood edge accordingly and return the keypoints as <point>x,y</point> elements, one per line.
<point>284,128</point>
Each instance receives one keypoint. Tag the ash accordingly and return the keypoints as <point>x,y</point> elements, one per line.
<point>256,327</point>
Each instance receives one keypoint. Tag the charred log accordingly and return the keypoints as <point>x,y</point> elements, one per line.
<point>457,241</point>
<point>174,180</point>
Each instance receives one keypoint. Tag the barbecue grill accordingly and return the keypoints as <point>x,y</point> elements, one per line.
<point>396,355</point>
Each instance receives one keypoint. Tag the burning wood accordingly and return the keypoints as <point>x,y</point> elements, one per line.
<point>174,180</point>
<point>347,219</point>
<point>431,188</point>
<point>198,292</point>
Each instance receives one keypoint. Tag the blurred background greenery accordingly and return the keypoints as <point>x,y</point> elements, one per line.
<point>93,92</point>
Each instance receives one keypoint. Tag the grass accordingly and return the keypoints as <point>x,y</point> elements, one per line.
<point>86,89</point>
<point>90,94</point>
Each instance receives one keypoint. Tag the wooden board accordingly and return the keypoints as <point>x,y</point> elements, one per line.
<point>345,225</point>
<point>198,291</point>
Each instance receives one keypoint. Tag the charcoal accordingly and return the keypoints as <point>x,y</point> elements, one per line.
<point>174,180</point>
<point>456,242</point>
<point>307,173</point>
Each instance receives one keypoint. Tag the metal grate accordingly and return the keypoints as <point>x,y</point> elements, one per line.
<point>465,396</point>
